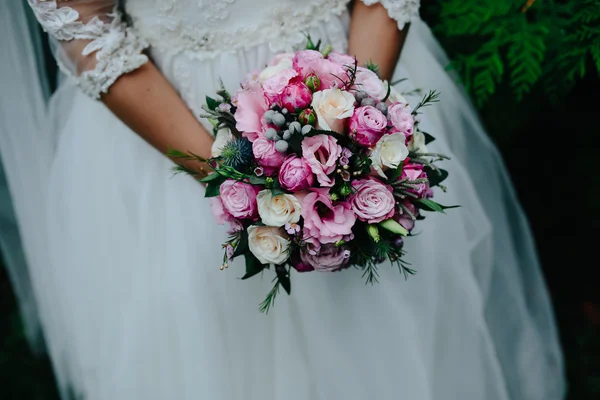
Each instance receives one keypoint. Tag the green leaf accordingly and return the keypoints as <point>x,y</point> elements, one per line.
<point>253,266</point>
<point>428,137</point>
<point>242,246</point>
<point>257,180</point>
<point>430,205</point>
<point>394,174</point>
<point>215,176</point>
<point>394,227</point>
<point>213,189</point>
<point>435,176</point>
<point>283,275</point>
<point>211,103</point>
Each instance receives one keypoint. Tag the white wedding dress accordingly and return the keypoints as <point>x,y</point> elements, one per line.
<point>125,256</point>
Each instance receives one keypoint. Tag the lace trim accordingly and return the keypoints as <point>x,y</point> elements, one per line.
<point>282,30</point>
<point>118,49</point>
<point>403,11</point>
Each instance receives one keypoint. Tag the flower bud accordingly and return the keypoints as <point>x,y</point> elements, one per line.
<point>307,117</point>
<point>334,197</point>
<point>374,233</point>
<point>313,82</point>
<point>345,190</point>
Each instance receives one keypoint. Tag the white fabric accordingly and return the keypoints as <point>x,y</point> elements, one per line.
<point>95,45</point>
<point>135,306</point>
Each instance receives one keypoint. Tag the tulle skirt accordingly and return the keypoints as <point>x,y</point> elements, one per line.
<point>135,306</point>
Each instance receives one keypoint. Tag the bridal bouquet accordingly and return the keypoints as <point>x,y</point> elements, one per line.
<point>318,165</point>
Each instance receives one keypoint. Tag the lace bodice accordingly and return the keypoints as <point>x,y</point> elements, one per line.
<point>97,46</point>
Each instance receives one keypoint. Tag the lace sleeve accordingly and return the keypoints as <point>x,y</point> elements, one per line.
<point>403,11</point>
<point>94,44</point>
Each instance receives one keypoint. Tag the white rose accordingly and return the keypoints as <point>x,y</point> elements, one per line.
<point>269,244</point>
<point>272,70</point>
<point>395,95</point>
<point>417,143</point>
<point>278,210</point>
<point>332,106</point>
<point>222,138</point>
<point>368,82</point>
<point>389,152</point>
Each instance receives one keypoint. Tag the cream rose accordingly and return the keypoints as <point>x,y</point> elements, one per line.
<point>389,152</point>
<point>278,210</point>
<point>417,142</point>
<point>222,138</point>
<point>395,95</point>
<point>332,106</point>
<point>282,63</point>
<point>269,244</point>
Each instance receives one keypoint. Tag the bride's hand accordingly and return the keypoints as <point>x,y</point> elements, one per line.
<point>375,37</point>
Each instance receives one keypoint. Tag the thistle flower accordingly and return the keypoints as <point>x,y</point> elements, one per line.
<point>237,153</point>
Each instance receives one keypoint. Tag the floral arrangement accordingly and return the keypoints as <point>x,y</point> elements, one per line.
<point>319,165</point>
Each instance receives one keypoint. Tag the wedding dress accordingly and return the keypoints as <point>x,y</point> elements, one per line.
<point>133,303</point>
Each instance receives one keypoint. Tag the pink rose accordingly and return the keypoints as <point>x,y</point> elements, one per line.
<point>295,174</point>
<point>329,73</point>
<point>401,118</point>
<point>414,172</point>
<point>373,201</point>
<point>404,219</point>
<point>304,60</point>
<point>367,125</point>
<point>276,84</point>
<point>321,152</point>
<point>239,199</point>
<point>368,82</point>
<point>330,258</point>
<point>266,155</point>
<point>296,96</point>
<point>251,105</point>
<point>324,221</point>
<point>343,60</point>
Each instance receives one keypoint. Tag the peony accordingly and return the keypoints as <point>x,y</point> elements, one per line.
<point>239,199</point>
<point>401,118</point>
<point>373,201</point>
<point>295,174</point>
<point>296,96</point>
<point>276,84</point>
<point>343,60</point>
<point>277,210</point>
<point>390,151</point>
<point>330,258</point>
<point>266,155</point>
<point>304,60</point>
<point>270,245</point>
<point>367,125</point>
<point>368,82</point>
<point>221,139</point>
<point>332,106</point>
<point>417,142</point>
<point>324,221</point>
<point>330,73</point>
<point>251,105</point>
<point>280,63</point>
<point>321,153</point>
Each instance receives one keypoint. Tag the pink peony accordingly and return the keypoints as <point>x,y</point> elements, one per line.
<point>330,73</point>
<point>368,82</point>
<point>324,221</point>
<point>367,125</point>
<point>296,96</point>
<point>330,258</point>
<point>251,105</point>
<point>321,153</point>
<point>343,60</point>
<point>239,199</point>
<point>414,172</point>
<point>266,155</point>
<point>276,84</point>
<point>373,201</point>
<point>401,118</point>
<point>404,219</point>
<point>303,61</point>
<point>295,174</point>
<point>282,57</point>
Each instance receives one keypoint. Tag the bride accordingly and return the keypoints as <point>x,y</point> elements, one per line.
<point>125,258</point>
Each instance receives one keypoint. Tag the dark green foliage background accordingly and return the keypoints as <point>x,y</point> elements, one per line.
<point>534,77</point>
